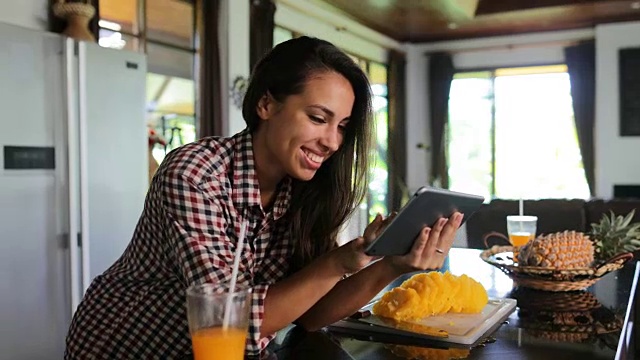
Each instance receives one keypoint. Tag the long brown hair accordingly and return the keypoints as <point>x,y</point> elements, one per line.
<point>321,205</point>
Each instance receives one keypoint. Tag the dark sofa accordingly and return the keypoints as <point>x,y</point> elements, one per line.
<point>553,215</point>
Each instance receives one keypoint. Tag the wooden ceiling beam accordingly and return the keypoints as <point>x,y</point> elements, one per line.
<point>486,7</point>
<point>435,20</point>
<point>451,10</point>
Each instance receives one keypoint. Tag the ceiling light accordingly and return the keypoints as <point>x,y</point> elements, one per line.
<point>114,41</point>
<point>109,25</point>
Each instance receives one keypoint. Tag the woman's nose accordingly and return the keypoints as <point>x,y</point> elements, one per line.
<point>332,138</point>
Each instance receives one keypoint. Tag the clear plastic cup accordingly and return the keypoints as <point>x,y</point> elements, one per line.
<point>521,229</point>
<point>210,339</point>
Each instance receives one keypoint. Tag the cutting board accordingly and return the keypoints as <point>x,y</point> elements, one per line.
<point>463,329</point>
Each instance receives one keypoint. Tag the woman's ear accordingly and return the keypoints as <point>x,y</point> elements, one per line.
<point>266,106</point>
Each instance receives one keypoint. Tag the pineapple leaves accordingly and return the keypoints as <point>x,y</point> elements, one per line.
<point>627,219</point>
<point>615,234</point>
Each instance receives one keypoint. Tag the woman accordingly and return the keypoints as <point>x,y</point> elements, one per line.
<point>294,175</point>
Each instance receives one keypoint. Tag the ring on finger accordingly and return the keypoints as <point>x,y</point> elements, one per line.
<point>439,251</point>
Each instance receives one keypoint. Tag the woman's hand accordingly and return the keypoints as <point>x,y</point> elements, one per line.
<point>430,247</point>
<point>351,256</point>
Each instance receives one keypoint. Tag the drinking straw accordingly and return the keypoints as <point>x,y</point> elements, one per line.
<point>234,275</point>
<point>521,207</point>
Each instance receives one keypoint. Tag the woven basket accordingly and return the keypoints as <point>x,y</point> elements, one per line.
<point>551,279</point>
<point>571,316</point>
<point>538,300</point>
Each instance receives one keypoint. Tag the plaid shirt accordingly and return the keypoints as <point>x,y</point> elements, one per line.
<point>186,235</point>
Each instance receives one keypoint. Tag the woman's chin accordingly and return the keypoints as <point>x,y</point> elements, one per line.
<point>304,174</point>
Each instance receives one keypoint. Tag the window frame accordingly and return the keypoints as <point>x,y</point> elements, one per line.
<point>140,26</point>
<point>492,76</point>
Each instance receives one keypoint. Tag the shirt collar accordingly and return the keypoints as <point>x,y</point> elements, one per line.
<point>246,189</point>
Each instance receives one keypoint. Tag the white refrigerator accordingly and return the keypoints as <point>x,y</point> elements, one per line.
<point>73,176</point>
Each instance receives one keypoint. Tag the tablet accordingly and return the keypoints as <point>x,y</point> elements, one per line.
<point>425,207</point>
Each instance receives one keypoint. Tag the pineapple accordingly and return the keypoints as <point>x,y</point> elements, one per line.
<point>570,249</point>
<point>614,235</point>
<point>562,250</point>
<point>432,293</point>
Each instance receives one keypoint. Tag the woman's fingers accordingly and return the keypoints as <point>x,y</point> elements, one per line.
<point>434,240</point>
<point>432,245</point>
<point>446,238</point>
<point>450,226</point>
<point>375,228</point>
<point>371,229</point>
<point>440,241</point>
<point>387,221</point>
<point>421,242</point>
<point>382,225</point>
<point>448,233</point>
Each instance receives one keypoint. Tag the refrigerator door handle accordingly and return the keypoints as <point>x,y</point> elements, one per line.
<point>72,154</point>
<point>84,163</point>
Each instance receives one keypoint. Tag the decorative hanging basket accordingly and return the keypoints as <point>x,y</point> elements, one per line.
<point>77,16</point>
<point>63,9</point>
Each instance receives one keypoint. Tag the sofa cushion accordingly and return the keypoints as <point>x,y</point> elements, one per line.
<point>596,209</point>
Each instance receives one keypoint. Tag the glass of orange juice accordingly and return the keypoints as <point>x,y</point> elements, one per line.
<point>210,338</point>
<point>521,229</point>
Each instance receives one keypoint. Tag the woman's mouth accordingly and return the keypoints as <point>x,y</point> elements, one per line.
<point>313,160</point>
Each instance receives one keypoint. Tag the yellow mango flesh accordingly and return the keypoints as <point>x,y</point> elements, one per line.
<point>432,293</point>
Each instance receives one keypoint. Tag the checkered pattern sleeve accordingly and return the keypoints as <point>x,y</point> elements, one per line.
<point>204,227</point>
<point>274,267</point>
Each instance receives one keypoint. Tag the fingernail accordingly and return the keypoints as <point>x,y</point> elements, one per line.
<point>459,217</point>
<point>427,230</point>
<point>442,222</point>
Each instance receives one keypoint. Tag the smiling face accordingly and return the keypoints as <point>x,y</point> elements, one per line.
<point>297,135</point>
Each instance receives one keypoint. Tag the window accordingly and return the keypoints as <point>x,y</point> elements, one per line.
<point>165,31</point>
<point>512,134</point>
<point>379,185</point>
<point>376,201</point>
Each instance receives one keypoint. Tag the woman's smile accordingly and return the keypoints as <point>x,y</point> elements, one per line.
<point>313,160</point>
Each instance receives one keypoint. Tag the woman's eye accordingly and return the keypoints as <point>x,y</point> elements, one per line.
<point>317,119</point>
